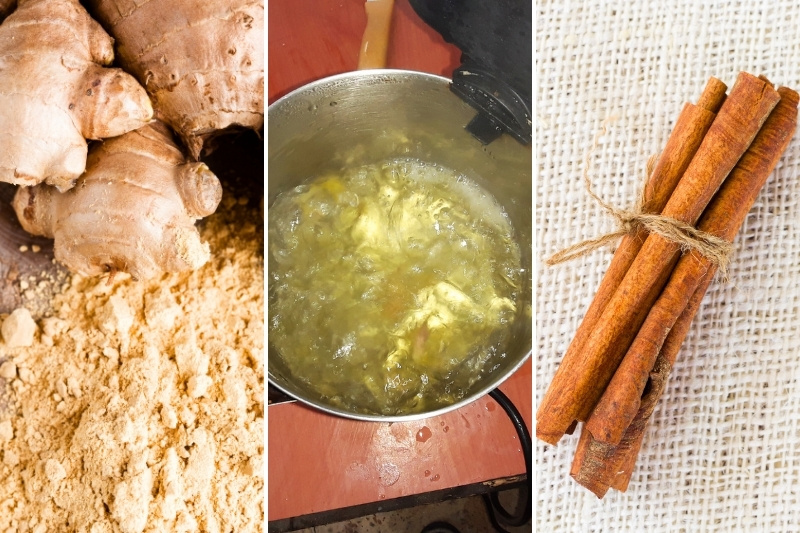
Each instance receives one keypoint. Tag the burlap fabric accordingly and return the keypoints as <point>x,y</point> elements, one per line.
<point>722,452</point>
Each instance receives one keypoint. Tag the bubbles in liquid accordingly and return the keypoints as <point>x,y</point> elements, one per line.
<point>391,285</point>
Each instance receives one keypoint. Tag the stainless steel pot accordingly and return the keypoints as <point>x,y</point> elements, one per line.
<point>370,116</point>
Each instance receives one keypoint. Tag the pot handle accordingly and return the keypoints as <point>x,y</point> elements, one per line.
<point>496,43</point>
<point>500,107</point>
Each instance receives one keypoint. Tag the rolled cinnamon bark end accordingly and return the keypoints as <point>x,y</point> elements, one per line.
<point>627,462</point>
<point>713,95</point>
<point>591,467</point>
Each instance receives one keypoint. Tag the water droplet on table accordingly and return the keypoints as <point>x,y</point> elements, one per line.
<point>424,434</point>
<point>389,474</point>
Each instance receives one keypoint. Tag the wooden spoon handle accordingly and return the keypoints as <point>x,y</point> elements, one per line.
<point>375,42</point>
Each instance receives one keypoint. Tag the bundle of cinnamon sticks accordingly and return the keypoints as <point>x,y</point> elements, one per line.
<point>713,166</point>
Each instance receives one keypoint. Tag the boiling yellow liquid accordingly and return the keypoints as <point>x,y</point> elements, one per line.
<point>392,287</point>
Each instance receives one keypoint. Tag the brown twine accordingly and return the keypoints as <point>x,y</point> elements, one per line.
<point>689,238</point>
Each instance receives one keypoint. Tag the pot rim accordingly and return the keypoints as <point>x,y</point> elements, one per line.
<point>356,74</point>
<point>410,417</point>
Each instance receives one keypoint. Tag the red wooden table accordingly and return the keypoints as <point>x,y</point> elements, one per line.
<point>320,463</point>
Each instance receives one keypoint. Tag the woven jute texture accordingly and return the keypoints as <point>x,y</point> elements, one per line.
<point>722,452</point>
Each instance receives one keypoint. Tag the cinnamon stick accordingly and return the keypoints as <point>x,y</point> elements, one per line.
<point>583,374</point>
<point>612,436</point>
<point>723,218</point>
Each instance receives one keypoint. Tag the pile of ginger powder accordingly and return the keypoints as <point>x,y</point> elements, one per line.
<point>137,406</point>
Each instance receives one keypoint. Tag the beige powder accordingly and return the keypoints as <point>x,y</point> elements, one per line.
<point>139,405</point>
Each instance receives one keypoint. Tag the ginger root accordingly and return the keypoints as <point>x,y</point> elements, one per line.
<point>132,211</point>
<point>201,61</point>
<point>55,93</point>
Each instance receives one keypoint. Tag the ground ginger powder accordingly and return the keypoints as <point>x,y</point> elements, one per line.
<point>139,405</point>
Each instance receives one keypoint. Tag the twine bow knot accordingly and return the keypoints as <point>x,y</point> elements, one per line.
<point>689,238</point>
